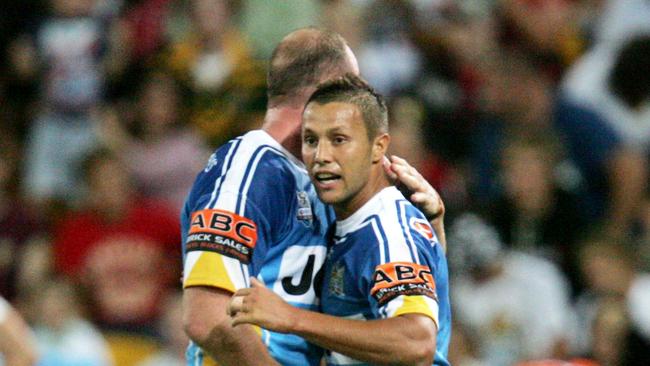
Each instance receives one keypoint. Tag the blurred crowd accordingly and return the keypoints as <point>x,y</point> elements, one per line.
<point>530,117</point>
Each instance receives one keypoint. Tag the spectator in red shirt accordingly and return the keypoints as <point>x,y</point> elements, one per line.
<point>120,247</point>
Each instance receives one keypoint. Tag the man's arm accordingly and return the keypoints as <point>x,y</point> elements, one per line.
<point>17,344</point>
<point>423,195</point>
<point>408,339</point>
<point>206,323</point>
<point>628,176</point>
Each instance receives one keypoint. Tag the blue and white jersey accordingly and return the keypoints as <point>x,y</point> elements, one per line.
<point>254,212</point>
<point>386,261</point>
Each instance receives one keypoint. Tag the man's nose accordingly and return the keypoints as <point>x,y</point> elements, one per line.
<point>323,153</point>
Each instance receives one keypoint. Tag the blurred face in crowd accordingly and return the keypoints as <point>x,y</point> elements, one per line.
<point>514,90</point>
<point>606,270</point>
<point>73,7</point>
<point>407,138</point>
<point>210,16</point>
<point>58,303</point>
<point>527,177</point>
<point>339,155</point>
<point>110,186</point>
<point>159,104</point>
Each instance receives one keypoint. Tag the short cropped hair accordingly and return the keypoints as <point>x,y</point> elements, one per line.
<point>629,79</point>
<point>304,59</point>
<point>354,90</point>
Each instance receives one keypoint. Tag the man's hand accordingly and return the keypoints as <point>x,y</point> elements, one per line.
<point>422,194</point>
<point>260,306</point>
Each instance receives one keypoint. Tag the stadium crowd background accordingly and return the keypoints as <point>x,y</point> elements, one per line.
<point>530,117</point>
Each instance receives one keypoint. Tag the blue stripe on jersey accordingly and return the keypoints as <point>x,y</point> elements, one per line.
<point>225,169</point>
<point>405,229</point>
<point>244,275</point>
<point>250,172</point>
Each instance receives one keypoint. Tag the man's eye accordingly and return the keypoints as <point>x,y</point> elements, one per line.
<point>339,140</point>
<point>309,141</point>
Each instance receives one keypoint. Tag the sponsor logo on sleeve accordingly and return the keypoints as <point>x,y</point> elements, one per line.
<point>222,232</point>
<point>402,278</point>
<point>422,227</point>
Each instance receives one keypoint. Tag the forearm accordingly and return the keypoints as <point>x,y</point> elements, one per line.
<point>628,177</point>
<point>240,346</point>
<point>208,325</point>
<point>403,340</point>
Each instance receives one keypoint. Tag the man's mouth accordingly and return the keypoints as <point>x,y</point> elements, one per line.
<point>325,178</point>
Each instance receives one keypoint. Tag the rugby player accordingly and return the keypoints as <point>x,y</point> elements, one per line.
<point>385,289</point>
<point>254,212</point>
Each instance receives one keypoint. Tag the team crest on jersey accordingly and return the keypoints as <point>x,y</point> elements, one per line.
<point>304,214</point>
<point>212,161</point>
<point>336,286</point>
<point>422,227</point>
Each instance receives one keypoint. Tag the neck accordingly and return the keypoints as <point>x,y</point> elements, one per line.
<point>375,184</point>
<point>283,124</point>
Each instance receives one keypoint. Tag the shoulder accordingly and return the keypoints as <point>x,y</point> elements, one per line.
<point>233,167</point>
<point>248,155</point>
<point>406,232</point>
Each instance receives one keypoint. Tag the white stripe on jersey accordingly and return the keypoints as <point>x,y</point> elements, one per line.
<point>253,142</point>
<point>405,224</point>
<point>384,204</point>
<point>224,168</point>
<point>380,242</point>
<point>399,249</point>
<point>251,173</point>
<point>190,261</point>
<point>336,358</point>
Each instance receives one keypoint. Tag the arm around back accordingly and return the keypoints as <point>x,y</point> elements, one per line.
<point>408,339</point>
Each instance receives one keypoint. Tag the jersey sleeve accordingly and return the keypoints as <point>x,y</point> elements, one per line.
<point>402,281</point>
<point>227,231</point>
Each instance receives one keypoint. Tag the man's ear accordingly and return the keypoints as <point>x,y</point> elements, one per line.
<point>379,147</point>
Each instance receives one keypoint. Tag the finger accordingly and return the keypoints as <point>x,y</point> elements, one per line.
<point>410,181</point>
<point>243,291</point>
<point>235,305</point>
<point>398,160</point>
<point>241,318</point>
<point>419,197</point>
<point>256,283</point>
<point>387,165</point>
<point>404,166</point>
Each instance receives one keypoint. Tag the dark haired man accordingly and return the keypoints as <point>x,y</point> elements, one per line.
<point>254,212</point>
<point>385,289</point>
